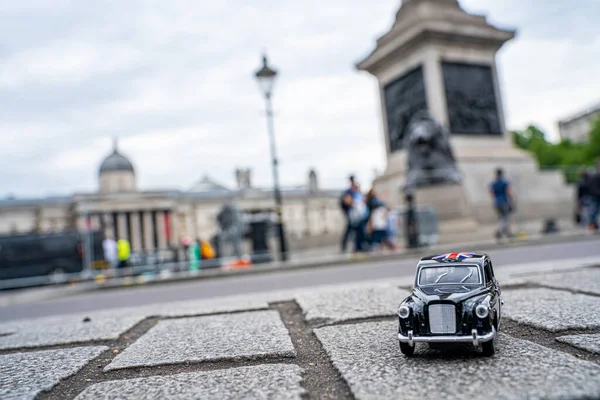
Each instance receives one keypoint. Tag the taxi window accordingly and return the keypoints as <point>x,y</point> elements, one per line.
<point>488,272</point>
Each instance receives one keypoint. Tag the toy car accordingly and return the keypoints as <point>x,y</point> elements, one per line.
<point>455,299</point>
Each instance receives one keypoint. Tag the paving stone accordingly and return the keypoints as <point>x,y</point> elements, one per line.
<point>589,342</point>
<point>209,306</point>
<point>217,337</point>
<point>271,381</point>
<point>369,359</point>
<point>24,375</point>
<point>342,304</point>
<point>585,280</point>
<point>552,310</point>
<point>65,329</point>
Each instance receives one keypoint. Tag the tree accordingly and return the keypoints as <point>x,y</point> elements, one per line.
<point>566,156</point>
<point>593,147</point>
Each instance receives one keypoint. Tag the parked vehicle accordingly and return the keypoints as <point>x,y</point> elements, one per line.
<point>456,299</point>
<point>48,254</point>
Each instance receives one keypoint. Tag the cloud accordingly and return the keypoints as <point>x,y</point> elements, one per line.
<point>65,62</point>
<point>174,81</point>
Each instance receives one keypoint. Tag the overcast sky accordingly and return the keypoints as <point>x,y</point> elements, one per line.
<point>174,81</point>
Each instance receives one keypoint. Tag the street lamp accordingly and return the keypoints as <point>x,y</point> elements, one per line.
<point>266,79</point>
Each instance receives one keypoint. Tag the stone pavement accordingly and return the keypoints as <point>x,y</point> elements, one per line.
<point>328,342</point>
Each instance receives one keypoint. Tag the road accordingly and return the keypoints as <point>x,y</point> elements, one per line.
<point>234,285</point>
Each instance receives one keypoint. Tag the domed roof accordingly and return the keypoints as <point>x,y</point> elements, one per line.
<point>116,162</point>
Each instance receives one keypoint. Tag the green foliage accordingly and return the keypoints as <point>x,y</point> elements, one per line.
<point>566,156</point>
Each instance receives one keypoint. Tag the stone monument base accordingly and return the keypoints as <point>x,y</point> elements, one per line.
<point>539,194</point>
<point>451,206</point>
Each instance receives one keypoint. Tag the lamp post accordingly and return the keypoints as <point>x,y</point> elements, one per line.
<point>266,79</point>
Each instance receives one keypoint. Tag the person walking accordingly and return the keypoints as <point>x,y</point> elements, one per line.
<point>594,191</point>
<point>585,199</point>
<point>376,220</point>
<point>346,205</point>
<point>391,230</point>
<point>110,252</point>
<point>123,252</point>
<point>357,217</point>
<point>195,255</point>
<point>502,195</point>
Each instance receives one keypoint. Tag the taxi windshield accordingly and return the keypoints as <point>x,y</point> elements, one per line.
<point>449,275</point>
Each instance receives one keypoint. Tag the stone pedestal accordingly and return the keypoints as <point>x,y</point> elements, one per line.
<point>436,57</point>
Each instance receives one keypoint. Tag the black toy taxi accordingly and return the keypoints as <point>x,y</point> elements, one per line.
<point>455,298</point>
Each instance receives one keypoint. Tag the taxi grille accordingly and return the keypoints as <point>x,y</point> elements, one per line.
<point>442,318</point>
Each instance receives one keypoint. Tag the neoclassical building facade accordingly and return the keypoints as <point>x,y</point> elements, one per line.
<point>153,220</point>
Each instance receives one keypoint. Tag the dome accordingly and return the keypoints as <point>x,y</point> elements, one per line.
<point>116,162</point>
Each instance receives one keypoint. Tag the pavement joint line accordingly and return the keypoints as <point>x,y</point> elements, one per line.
<point>193,366</point>
<point>33,349</point>
<point>317,324</point>
<point>210,314</point>
<point>533,285</point>
<point>92,372</point>
<point>321,379</point>
<point>548,339</point>
<point>583,267</point>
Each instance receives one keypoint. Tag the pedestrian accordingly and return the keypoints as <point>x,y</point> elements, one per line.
<point>195,255</point>
<point>346,205</point>
<point>584,199</point>
<point>110,252</point>
<point>376,221</point>
<point>594,189</point>
<point>123,252</point>
<point>411,223</point>
<point>502,195</point>
<point>357,217</point>
<point>391,230</point>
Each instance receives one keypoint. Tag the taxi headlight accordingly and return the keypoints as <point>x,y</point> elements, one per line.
<point>403,312</point>
<point>481,311</point>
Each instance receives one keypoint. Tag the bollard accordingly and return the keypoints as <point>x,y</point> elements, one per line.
<point>411,223</point>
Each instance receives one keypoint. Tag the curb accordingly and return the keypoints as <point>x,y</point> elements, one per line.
<point>219,273</point>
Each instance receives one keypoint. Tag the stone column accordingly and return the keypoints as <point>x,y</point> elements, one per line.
<point>190,223</point>
<point>114,222</point>
<point>148,231</point>
<point>174,227</point>
<point>136,241</point>
<point>121,226</point>
<point>142,230</point>
<point>95,222</point>
<point>160,230</point>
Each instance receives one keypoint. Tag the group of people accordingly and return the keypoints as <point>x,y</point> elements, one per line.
<point>588,198</point>
<point>368,219</point>
<point>116,253</point>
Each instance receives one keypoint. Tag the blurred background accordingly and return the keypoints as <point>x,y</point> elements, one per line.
<point>148,138</point>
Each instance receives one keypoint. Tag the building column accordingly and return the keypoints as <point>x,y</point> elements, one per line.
<point>142,230</point>
<point>121,226</point>
<point>95,221</point>
<point>148,231</point>
<point>128,229</point>
<point>136,231</point>
<point>160,229</point>
<point>190,224</point>
<point>176,228</point>
<point>155,231</point>
<point>114,222</point>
